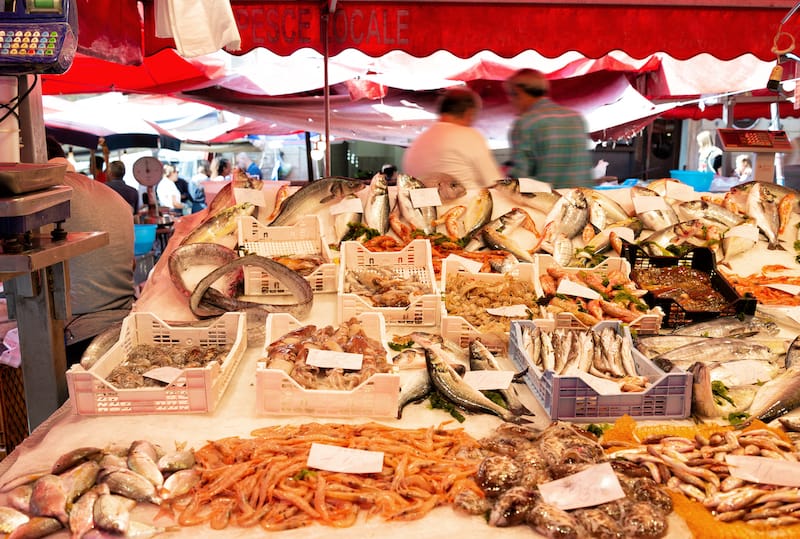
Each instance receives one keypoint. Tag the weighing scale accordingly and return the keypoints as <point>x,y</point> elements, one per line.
<point>148,171</point>
<point>37,36</point>
<point>764,144</point>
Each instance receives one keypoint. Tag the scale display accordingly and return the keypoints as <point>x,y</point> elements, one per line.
<point>756,141</point>
<point>37,36</point>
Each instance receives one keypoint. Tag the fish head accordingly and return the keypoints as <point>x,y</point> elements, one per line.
<point>379,183</point>
<point>507,184</point>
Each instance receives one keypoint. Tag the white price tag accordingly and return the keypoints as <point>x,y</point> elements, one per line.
<point>510,311</point>
<point>331,359</point>
<point>792,289</point>
<point>764,470</point>
<point>747,231</point>
<point>642,204</point>
<point>571,288</point>
<point>168,375</point>
<point>344,459</point>
<point>424,197</point>
<point>595,485</point>
<point>253,196</point>
<point>348,205</point>
<point>483,380</point>
<point>680,191</point>
<point>529,185</point>
<point>623,232</point>
<point>470,265</point>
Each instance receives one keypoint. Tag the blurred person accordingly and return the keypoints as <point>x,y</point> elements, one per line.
<point>98,164</point>
<point>281,170</point>
<point>390,172</point>
<point>744,168</point>
<point>709,155</point>
<point>186,195</point>
<point>116,173</point>
<point>451,148</point>
<point>248,166</point>
<point>221,170</point>
<point>196,185</point>
<point>167,192</point>
<point>101,284</point>
<point>548,141</point>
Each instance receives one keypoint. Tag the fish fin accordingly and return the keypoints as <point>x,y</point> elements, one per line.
<point>776,247</point>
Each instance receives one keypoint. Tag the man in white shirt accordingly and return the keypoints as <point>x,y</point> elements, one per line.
<point>451,149</point>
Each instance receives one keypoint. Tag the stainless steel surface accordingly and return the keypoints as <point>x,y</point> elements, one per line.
<point>20,178</point>
<point>28,203</point>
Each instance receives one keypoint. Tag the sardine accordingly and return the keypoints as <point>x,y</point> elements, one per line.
<point>701,209</point>
<point>314,197</point>
<point>658,219</point>
<point>113,513</point>
<point>11,519</point>
<point>343,220</point>
<point>762,207</point>
<point>777,397</point>
<point>376,205</point>
<point>415,386</point>
<point>481,359</point>
<point>445,379</point>
<point>730,326</point>
<point>418,218</point>
<point>540,201</point>
<point>205,301</point>
<point>221,228</point>
<point>131,485</point>
<point>479,212</point>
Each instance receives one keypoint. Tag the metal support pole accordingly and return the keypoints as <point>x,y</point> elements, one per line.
<point>326,21</point>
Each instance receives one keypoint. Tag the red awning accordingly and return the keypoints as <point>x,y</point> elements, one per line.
<point>681,28</point>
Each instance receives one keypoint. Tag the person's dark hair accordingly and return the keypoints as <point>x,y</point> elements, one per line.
<point>457,101</point>
<point>99,161</point>
<point>116,169</point>
<point>530,81</point>
<point>388,170</point>
<point>54,148</point>
<point>221,165</point>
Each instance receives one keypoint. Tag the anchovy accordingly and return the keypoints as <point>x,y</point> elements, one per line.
<point>481,359</point>
<point>419,218</point>
<point>701,209</point>
<point>658,219</point>
<point>314,197</point>
<point>376,205</point>
<point>221,228</point>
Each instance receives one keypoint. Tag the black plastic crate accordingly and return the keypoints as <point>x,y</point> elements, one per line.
<point>699,258</point>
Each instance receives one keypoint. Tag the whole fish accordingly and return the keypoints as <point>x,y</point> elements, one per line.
<point>445,379</point>
<point>793,353</point>
<point>49,498</point>
<point>450,188</point>
<point>696,232</point>
<point>143,459</point>
<point>735,244</point>
<point>176,461</point>
<point>131,485</point>
<point>418,218</point>
<point>761,205</point>
<point>506,223</point>
<point>101,344</point>
<point>481,359</point>
<point>656,219</point>
<point>179,483</point>
<point>730,326</point>
<point>739,193</point>
<point>81,516</point>
<point>791,424</point>
<point>225,197</point>
<point>221,228</point>
<point>185,259</point>
<point>701,209</point>
<point>36,527</point>
<point>11,519</point>
<point>79,479</point>
<point>479,212</point>
<point>603,210</point>
<point>75,457</point>
<point>601,242</point>
<point>113,513</point>
<point>343,220</point>
<point>707,405</point>
<point>777,397</point>
<point>415,386</point>
<point>570,214</point>
<point>315,197</point>
<point>713,350</point>
<point>655,345</point>
<point>495,239</point>
<point>542,201</point>
<point>205,301</point>
<point>376,205</point>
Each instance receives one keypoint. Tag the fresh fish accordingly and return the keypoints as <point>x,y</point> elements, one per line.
<point>479,212</point>
<point>713,350</point>
<point>663,185</point>
<point>603,210</point>
<point>11,519</point>
<point>701,209</point>
<point>75,457</point>
<point>762,207</point>
<point>542,201</point>
<point>20,497</point>
<point>507,224</point>
<point>777,397</point>
<point>225,198</point>
<point>143,459</point>
<point>793,354</point>
<point>221,228</point>
<point>562,249</point>
<point>655,345</point>
<point>100,344</point>
<point>79,479</point>
<point>280,198</point>
<point>657,219</point>
<point>707,405</point>
<point>179,483</point>
<point>790,423</point>
<point>481,359</point>
<point>136,530</point>
<point>743,372</point>
<point>176,461</point>
<point>739,193</point>
<point>314,197</point>
<point>504,265</point>
<point>113,513</point>
<point>601,242</point>
<point>735,244</point>
<point>81,516</point>
<point>415,386</point>
<point>694,233</point>
<point>49,498</point>
<point>570,214</point>
<point>445,379</point>
<point>498,240</point>
<point>418,218</point>
<point>185,260</point>
<point>24,479</point>
<point>204,302</point>
<point>131,485</point>
<point>343,220</point>
<point>730,326</point>
<point>36,527</point>
<point>376,205</point>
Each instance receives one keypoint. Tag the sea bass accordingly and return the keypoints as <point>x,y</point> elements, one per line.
<point>221,228</point>
<point>654,219</point>
<point>701,209</point>
<point>315,197</point>
<point>762,207</point>
<point>603,210</point>
<point>376,205</point>
<point>713,350</point>
<point>730,326</point>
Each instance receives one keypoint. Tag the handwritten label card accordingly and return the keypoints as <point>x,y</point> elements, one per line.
<point>571,288</point>
<point>592,486</point>
<point>168,375</point>
<point>792,289</point>
<point>470,265</point>
<point>424,197</point>
<point>331,359</point>
<point>253,196</point>
<point>529,185</point>
<point>746,231</point>
<point>764,470</point>
<point>642,204</point>
<point>348,205</point>
<point>484,380</point>
<point>344,459</point>
<point>510,311</point>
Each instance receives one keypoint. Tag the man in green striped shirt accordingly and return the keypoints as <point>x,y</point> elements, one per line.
<point>548,141</point>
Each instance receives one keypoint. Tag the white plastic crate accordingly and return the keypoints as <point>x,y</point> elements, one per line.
<point>645,324</point>
<point>456,328</point>
<point>412,261</point>
<point>278,394</point>
<point>303,238</point>
<point>198,390</point>
<point>668,395</point>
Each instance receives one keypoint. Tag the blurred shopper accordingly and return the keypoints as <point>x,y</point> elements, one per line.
<point>248,166</point>
<point>101,281</point>
<point>709,155</point>
<point>196,185</point>
<point>281,170</point>
<point>116,173</point>
<point>167,191</point>
<point>221,170</point>
<point>451,148</point>
<point>548,141</point>
<point>744,168</point>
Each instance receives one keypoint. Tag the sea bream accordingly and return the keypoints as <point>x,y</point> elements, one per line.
<point>762,206</point>
<point>603,210</point>
<point>314,197</point>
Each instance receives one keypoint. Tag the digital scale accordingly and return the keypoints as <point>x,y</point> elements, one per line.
<point>764,144</point>
<point>37,36</point>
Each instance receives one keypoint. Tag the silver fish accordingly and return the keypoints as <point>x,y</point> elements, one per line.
<point>707,405</point>
<point>113,513</point>
<point>206,302</point>
<point>481,359</point>
<point>713,350</point>
<point>790,423</point>
<point>498,240</point>
<point>75,457</point>
<point>343,220</point>
<point>603,210</point>
<point>100,344</point>
<point>740,192</point>
<point>657,219</point>
<point>792,353</point>
<point>735,244</point>
<point>479,212</point>
<point>36,527</point>
<point>570,214</point>
<point>376,205</point>
<point>221,228</point>
<point>654,345</point>
<point>176,461</point>
<point>11,519</point>
<point>79,479</point>
<point>777,396</point>
<point>314,197</point>
<point>730,326</point>
<point>445,379</point>
<point>541,201</point>
<point>81,516</point>
<point>416,385</point>
<point>131,485</point>
<point>701,209</point>
<point>762,206</point>
<point>419,218</point>
<point>144,462</point>
<point>179,483</point>
<point>697,233</point>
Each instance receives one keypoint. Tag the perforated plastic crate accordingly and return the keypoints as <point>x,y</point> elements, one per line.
<point>668,395</point>
<point>198,390</point>
<point>303,238</point>
<point>414,261</point>
<point>278,394</point>
<point>455,328</point>
<point>645,324</point>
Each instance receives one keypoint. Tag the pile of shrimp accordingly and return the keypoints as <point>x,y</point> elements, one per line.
<point>265,480</point>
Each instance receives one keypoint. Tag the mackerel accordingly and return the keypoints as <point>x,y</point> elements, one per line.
<point>314,197</point>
